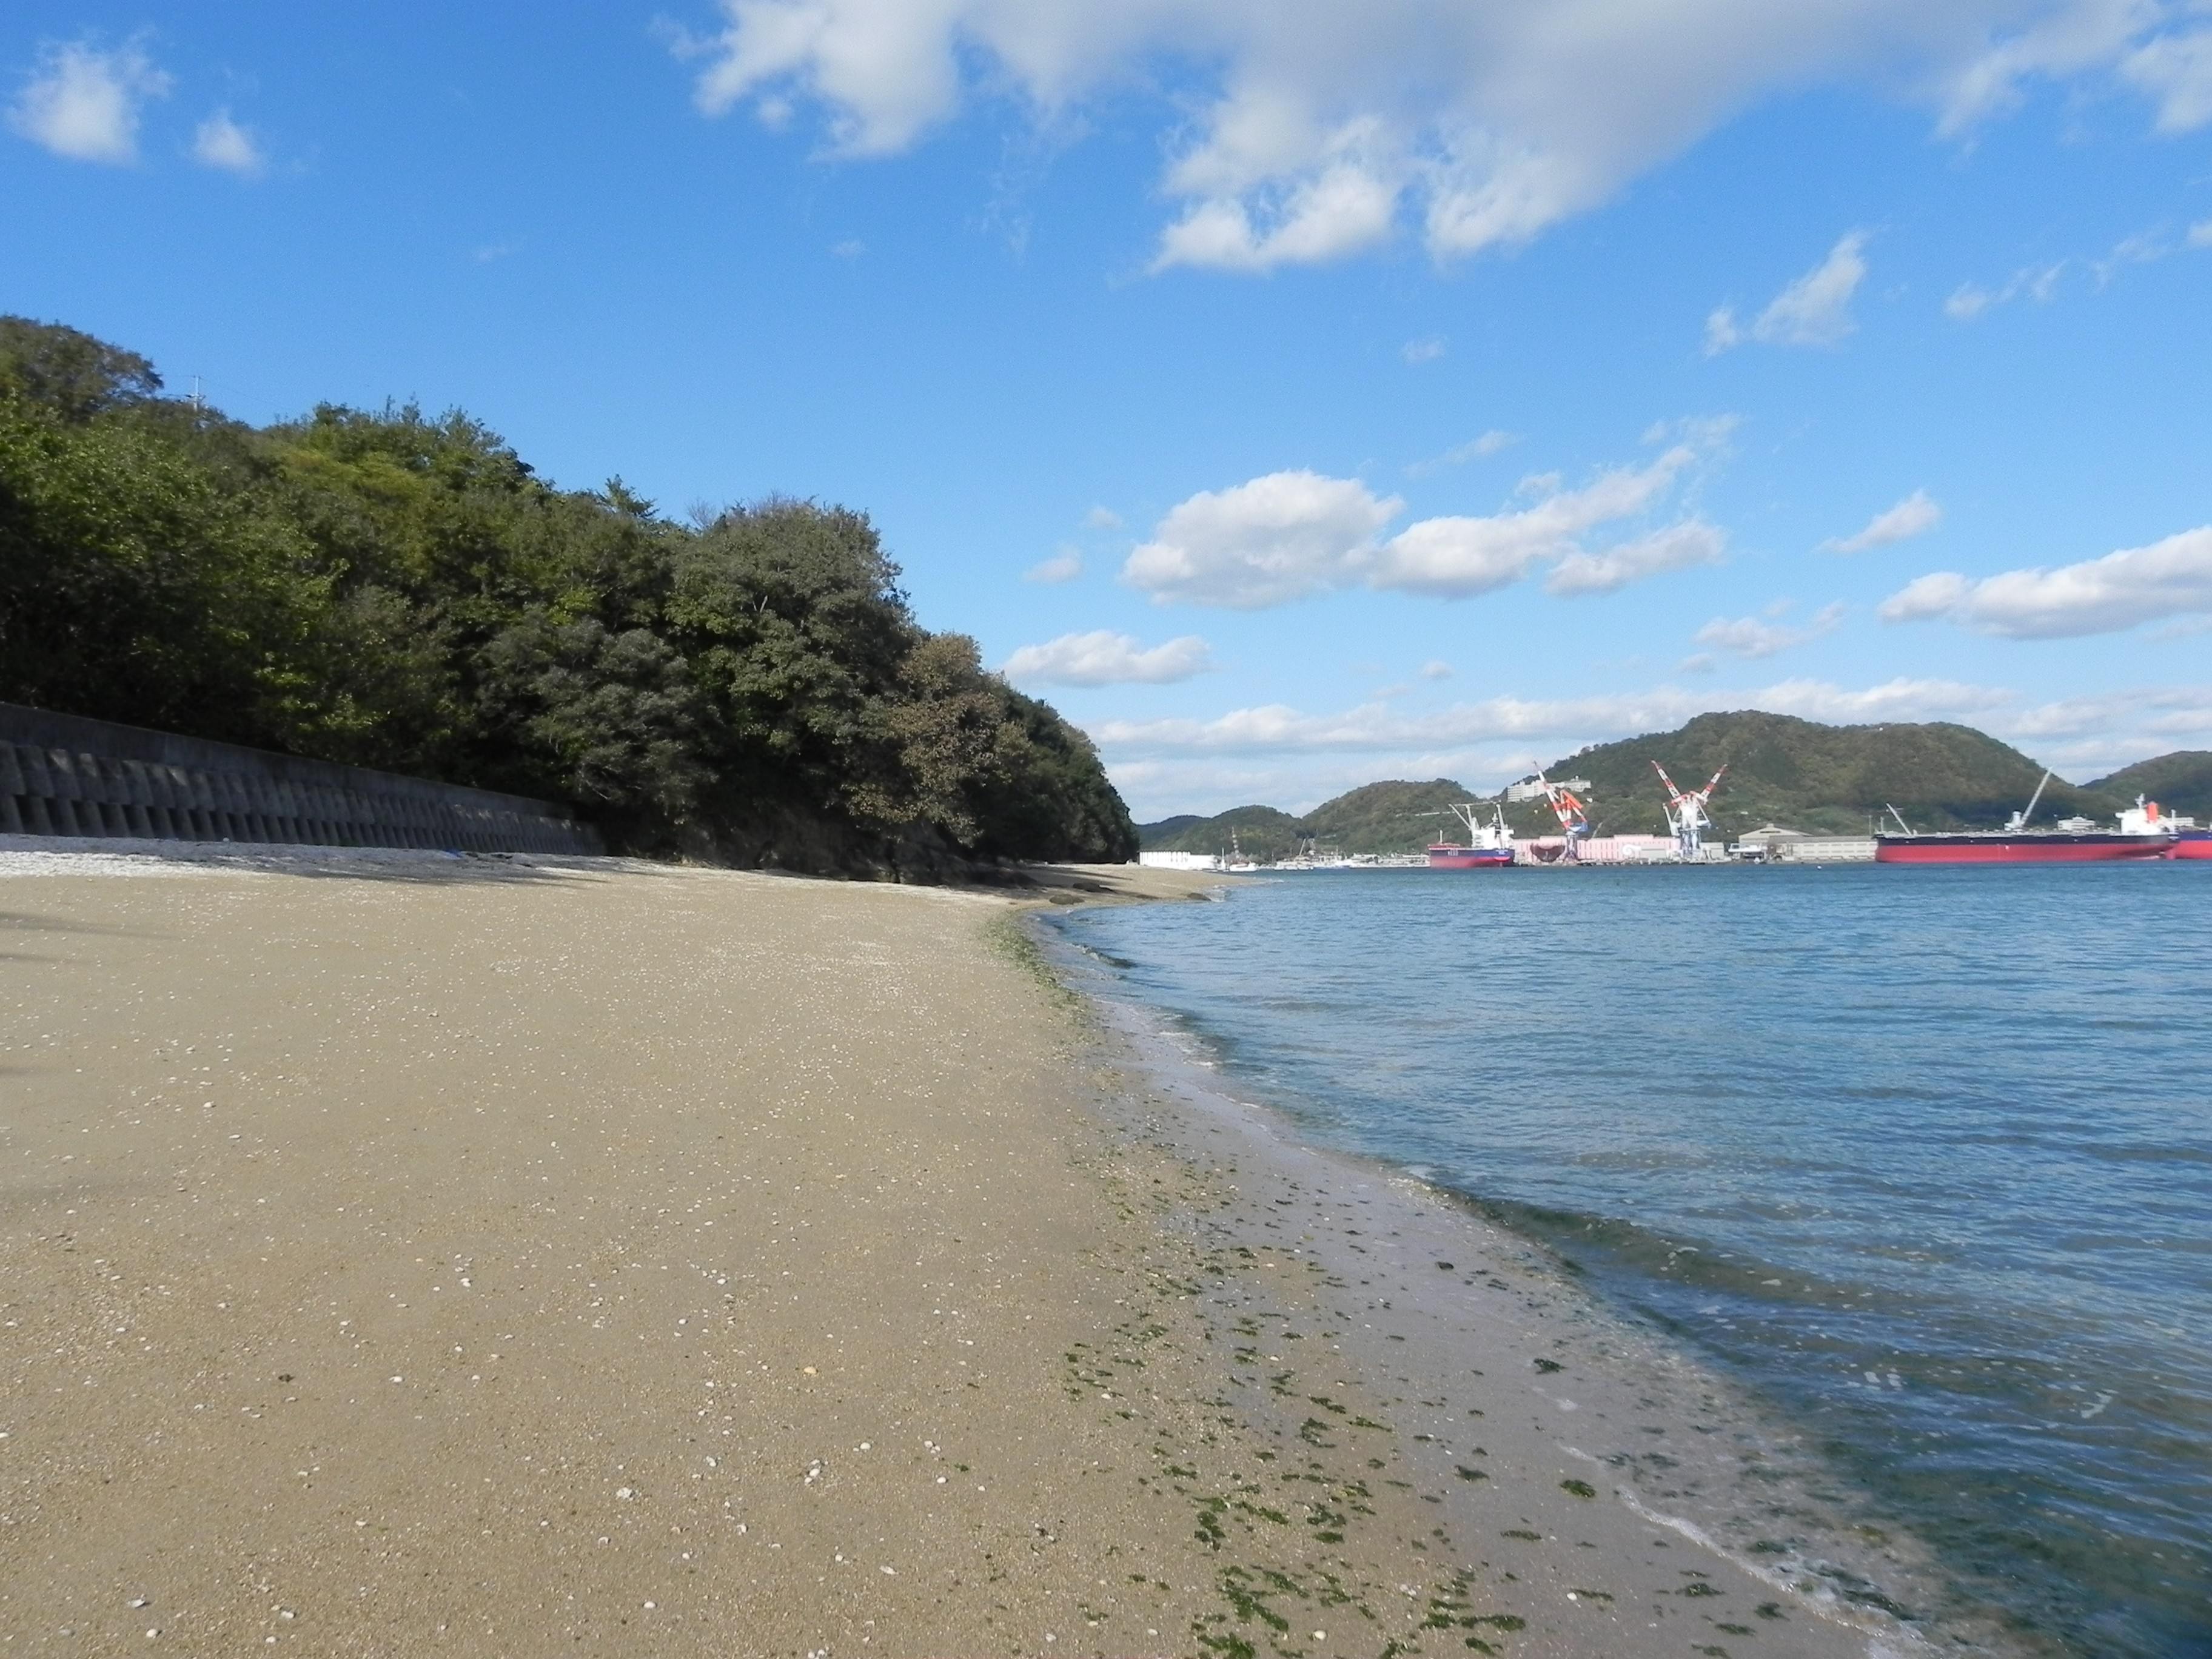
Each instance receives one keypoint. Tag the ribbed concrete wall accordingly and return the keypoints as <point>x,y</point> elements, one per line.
<point>61,774</point>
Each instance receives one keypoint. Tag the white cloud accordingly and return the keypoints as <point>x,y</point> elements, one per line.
<point>1752,638</point>
<point>1063,566</point>
<point>1814,310</point>
<point>1276,538</point>
<point>1459,557</point>
<point>2171,578</point>
<point>1436,671</point>
<point>1291,534</point>
<point>1102,657</point>
<point>1916,515</point>
<point>2050,42</point>
<point>1425,350</point>
<point>221,142</point>
<point>2177,71</point>
<point>82,103</point>
<point>1477,449</point>
<point>1102,518</point>
<point>2041,283</point>
<point>1316,130</point>
<point>1379,727</point>
<point>1678,547</point>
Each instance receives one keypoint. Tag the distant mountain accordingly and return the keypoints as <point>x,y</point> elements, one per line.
<point>1783,770</point>
<point>1260,832</point>
<point>1395,817</point>
<point>2180,783</point>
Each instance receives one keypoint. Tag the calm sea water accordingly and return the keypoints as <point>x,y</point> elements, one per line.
<point>1925,1157</point>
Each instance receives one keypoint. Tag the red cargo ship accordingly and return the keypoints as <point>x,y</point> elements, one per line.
<point>1490,846</point>
<point>2142,834</point>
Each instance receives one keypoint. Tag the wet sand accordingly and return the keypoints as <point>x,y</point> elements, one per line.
<point>410,1255</point>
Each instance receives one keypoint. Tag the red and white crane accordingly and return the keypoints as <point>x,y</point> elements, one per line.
<point>1687,816</point>
<point>1567,807</point>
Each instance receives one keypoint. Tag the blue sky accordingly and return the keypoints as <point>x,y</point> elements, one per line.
<point>1296,395</point>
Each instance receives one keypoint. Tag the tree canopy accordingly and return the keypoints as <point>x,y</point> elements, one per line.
<point>396,590</point>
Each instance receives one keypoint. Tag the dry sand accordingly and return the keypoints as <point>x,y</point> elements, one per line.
<point>405,1255</point>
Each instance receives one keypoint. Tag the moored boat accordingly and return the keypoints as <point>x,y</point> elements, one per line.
<point>2025,847</point>
<point>2142,834</point>
<point>1489,846</point>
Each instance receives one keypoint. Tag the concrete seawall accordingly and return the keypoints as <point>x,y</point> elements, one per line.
<point>64,775</point>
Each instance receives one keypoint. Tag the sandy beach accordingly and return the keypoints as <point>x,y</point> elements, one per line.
<point>415,1255</point>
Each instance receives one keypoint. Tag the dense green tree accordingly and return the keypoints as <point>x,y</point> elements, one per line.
<point>132,588</point>
<point>397,590</point>
<point>70,373</point>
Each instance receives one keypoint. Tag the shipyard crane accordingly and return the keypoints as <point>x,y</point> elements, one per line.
<point>1687,816</point>
<point>1567,807</point>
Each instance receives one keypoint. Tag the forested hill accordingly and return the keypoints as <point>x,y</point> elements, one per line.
<point>1796,772</point>
<point>2181,782</point>
<point>402,591</point>
<point>1376,817</point>
<point>1805,775</point>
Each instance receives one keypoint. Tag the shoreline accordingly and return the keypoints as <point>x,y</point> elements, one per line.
<point>1601,1393</point>
<point>405,1253</point>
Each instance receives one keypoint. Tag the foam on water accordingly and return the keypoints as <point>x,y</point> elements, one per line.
<point>1923,1155</point>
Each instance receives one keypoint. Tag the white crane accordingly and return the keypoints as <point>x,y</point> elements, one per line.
<point>1687,816</point>
<point>2017,821</point>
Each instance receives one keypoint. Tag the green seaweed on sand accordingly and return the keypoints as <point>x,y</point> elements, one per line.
<point>1009,938</point>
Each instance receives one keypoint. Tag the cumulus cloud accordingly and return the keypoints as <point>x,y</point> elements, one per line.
<point>1753,637</point>
<point>1102,658</point>
<point>1318,131</point>
<point>1814,310</point>
<point>1102,518</point>
<point>1276,538</point>
<point>1916,515</point>
<point>1291,534</point>
<point>1063,566</point>
<point>82,103</point>
<point>1426,349</point>
<point>1457,557</point>
<point>2137,585</point>
<point>1436,671</point>
<point>221,142</point>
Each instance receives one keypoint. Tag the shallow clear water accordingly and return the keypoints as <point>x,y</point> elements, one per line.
<point>1923,1155</point>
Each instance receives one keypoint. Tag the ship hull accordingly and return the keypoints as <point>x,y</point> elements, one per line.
<point>1996,847</point>
<point>2193,844</point>
<point>1470,858</point>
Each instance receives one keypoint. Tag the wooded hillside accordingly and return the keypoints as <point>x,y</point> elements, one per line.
<point>402,590</point>
<point>2180,783</point>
